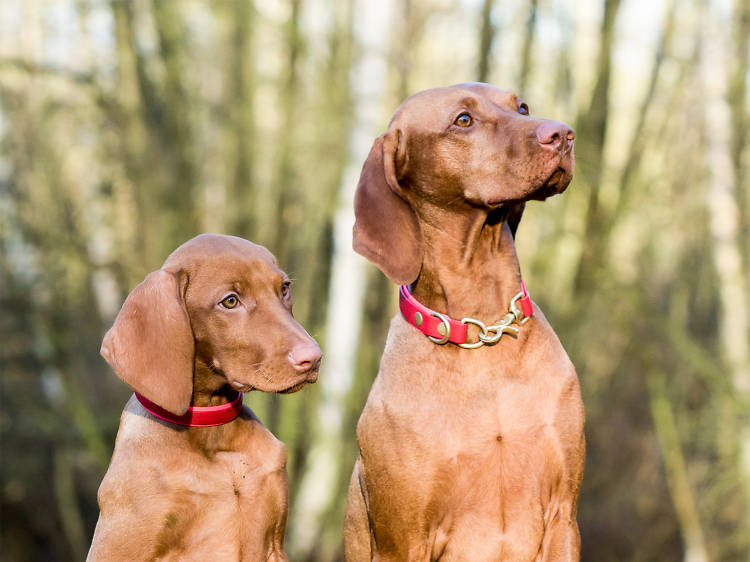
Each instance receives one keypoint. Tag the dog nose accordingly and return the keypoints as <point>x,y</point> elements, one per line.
<point>305,357</point>
<point>555,135</point>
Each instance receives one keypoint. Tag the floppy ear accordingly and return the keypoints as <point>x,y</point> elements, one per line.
<point>386,230</point>
<point>515,212</point>
<point>151,346</point>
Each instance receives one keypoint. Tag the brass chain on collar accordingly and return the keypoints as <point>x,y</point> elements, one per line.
<point>489,335</point>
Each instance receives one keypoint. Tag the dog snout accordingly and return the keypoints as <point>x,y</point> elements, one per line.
<point>555,135</point>
<point>305,357</point>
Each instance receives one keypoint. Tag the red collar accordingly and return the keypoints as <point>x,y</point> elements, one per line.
<point>441,328</point>
<point>197,416</point>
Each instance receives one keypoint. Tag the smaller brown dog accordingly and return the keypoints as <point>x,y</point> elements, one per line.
<point>194,474</point>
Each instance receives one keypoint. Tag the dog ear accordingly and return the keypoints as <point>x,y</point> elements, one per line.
<point>515,212</point>
<point>386,230</point>
<point>151,346</point>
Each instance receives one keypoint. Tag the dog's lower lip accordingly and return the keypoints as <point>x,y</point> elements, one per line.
<point>555,178</point>
<point>552,183</point>
<point>310,377</point>
<point>293,388</point>
<point>242,387</point>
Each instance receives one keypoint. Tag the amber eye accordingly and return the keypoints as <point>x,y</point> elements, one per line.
<point>230,302</point>
<point>523,109</point>
<point>286,288</point>
<point>463,120</point>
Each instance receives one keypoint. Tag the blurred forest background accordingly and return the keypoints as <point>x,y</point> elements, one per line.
<point>127,127</point>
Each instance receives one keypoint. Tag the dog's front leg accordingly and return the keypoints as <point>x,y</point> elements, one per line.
<point>562,541</point>
<point>356,525</point>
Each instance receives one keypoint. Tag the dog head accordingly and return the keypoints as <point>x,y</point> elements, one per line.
<point>218,301</point>
<point>456,149</point>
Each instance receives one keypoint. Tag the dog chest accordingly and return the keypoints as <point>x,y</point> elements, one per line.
<point>485,462</point>
<point>187,505</point>
<point>229,504</point>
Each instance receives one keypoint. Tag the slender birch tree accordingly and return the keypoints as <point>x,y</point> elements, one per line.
<point>346,296</point>
<point>722,196</point>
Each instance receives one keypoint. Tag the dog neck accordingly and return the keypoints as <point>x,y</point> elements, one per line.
<point>210,388</point>
<point>470,266</point>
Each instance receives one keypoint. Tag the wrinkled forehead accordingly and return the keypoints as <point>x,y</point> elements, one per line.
<point>224,259</point>
<point>424,106</point>
<point>239,273</point>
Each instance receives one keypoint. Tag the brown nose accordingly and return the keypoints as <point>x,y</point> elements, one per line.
<point>305,356</point>
<point>555,135</point>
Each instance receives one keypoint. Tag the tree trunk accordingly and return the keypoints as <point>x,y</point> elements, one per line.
<point>638,141</point>
<point>592,131</point>
<point>405,43</point>
<point>528,42</point>
<point>241,125</point>
<point>289,210</point>
<point>180,194</point>
<point>737,97</point>
<point>486,38</point>
<point>346,295</point>
<point>67,503</point>
<point>724,215</point>
<point>135,140</point>
<point>676,469</point>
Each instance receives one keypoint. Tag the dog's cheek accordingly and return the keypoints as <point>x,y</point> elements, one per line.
<point>438,167</point>
<point>244,363</point>
<point>494,181</point>
<point>531,172</point>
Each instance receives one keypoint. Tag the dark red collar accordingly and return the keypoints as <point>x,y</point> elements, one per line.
<point>197,416</point>
<point>441,328</point>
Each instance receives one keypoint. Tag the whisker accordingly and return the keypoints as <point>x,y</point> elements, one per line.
<point>262,373</point>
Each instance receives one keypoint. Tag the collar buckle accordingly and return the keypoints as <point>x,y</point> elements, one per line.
<point>444,328</point>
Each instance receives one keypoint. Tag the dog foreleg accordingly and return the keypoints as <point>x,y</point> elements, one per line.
<point>356,524</point>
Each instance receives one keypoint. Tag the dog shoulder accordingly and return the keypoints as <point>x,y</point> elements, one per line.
<point>275,451</point>
<point>261,447</point>
<point>130,462</point>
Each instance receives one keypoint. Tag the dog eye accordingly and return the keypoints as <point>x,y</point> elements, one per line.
<point>463,120</point>
<point>523,109</point>
<point>230,302</point>
<point>286,288</point>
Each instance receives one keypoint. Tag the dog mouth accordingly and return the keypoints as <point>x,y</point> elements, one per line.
<point>309,377</point>
<point>275,384</point>
<point>292,389</point>
<point>556,177</point>
<point>241,386</point>
<point>553,185</point>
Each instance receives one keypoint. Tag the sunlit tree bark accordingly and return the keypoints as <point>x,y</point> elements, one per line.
<point>528,43</point>
<point>724,222</point>
<point>285,183</point>
<point>486,37</point>
<point>347,278</point>
<point>738,102</point>
<point>676,469</point>
<point>240,125</point>
<point>180,194</point>
<point>591,131</point>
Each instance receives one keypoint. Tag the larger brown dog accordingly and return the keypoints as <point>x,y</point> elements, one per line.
<point>466,454</point>
<point>216,319</point>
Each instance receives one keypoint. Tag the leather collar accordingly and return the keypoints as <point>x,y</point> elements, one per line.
<point>197,416</point>
<point>441,328</point>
